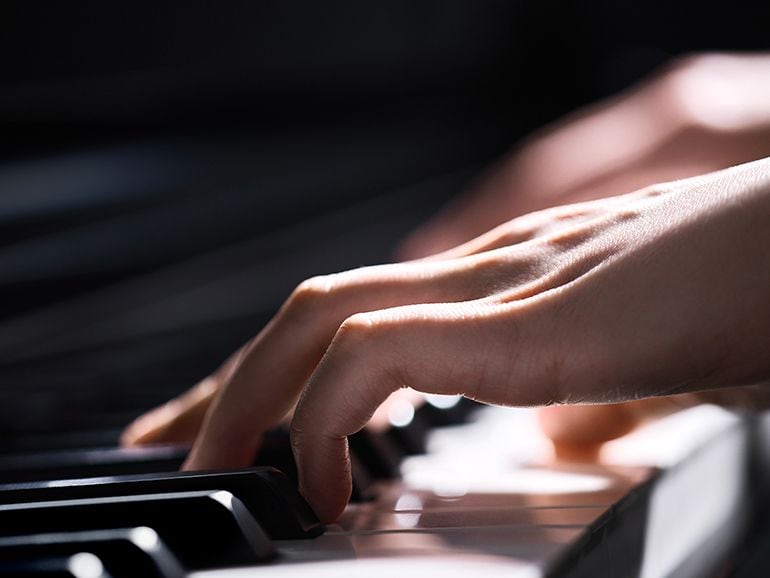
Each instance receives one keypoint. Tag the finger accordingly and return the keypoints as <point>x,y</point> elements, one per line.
<point>488,203</point>
<point>595,424</point>
<point>179,420</point>
<point>512,233</point>
<point>278,362</point>
<point>441,348</point>
<point>579,154</point>
<point>579,431</point>
<point>549,222</point>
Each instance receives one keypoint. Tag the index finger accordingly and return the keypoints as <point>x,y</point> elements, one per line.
<point>276,365</point>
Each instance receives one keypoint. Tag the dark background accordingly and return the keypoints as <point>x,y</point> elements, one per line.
<point>169,171</point>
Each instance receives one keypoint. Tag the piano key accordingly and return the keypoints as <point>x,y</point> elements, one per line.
<point>124,553</point>
<point>275,451</point>
<point>89,463</point>
<point>410,437</point>
<point>376,453</point>
<point>361,520</point>
<point>535,544</point>
<point>411,426</point>
<point>61,440</point>
<point>63,463</point>
<point>270,497</point>
<point>447,410</point>
<point>79,565</point>
<point>204,529</point>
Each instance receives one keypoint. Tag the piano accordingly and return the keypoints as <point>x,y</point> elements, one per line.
<point>474,493</point>
<point>448,488</point>
<point>160,194</point>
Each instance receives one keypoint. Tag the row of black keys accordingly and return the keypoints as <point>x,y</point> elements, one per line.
<point>134,521</point>
<point>206,520</point>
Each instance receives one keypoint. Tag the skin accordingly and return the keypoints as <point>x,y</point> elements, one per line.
<point>658,292</point>
<point>700,114</point>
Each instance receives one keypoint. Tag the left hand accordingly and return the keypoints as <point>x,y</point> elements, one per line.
<point>699,114</point>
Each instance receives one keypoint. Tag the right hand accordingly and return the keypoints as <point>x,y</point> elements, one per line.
<point>643,295</point>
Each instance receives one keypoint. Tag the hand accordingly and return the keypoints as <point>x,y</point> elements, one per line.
<point>578,432</point>
<point>656,292</point>
<point>681,122</point>
<point>701,114</point>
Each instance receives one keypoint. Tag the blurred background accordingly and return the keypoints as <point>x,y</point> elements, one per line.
<point>169,171</point>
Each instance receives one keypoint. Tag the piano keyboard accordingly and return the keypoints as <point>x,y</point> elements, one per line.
<point>473,494</point>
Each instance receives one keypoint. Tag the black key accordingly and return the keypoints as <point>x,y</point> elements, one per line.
<point>203,529</point>
<point>270,497</point>
<point>79,565</point>
<point>124,553</point>
<point>447,416</point>
<point>410,438</point>
<point>58,441</point>
<point>60,465</point>
<point>376,453</point>
<point>275,451</point>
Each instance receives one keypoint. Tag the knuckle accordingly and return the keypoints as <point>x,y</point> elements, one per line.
<point>515,236</point>
<point>657,190</point>
<point>311,292</point>
<point>314,287</point>
<point>356,327</point>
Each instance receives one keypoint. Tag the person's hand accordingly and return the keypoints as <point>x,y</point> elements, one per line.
<point>701,114</point>
<point>578,432</point>
<point>656,292</point>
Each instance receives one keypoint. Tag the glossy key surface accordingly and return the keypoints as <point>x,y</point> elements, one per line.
<point>269,496</point>
<point>124,553</point>
<point>79,565</point>
<point>56,465</point>
<point>203,529</point>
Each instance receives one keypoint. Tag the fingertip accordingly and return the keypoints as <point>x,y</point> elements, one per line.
<point>328,506</point>
<point>147,428</point>
<point>587,425</point>
<point>188,466</point>
<point>192,461</point>
<point>576,453</point>
<point>176,421</point>
<point>129,437</point>
<point>325,478</point>
<point>214,450</point>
